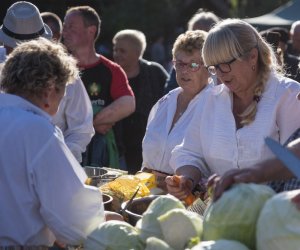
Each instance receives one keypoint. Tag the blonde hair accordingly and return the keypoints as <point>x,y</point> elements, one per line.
<point>31,66</point>
<point>137,38</point>
<point>189,42</point>
<point>234,38</point>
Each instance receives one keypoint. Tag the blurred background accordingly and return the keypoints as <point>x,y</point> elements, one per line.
<point>166,18</point>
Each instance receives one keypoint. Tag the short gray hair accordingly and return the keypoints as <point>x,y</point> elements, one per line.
<point>205,19</point>
<point>137,37</point>
<point>293,27</point>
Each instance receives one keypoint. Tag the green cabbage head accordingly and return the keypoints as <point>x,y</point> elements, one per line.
<point>179,226</point>
<point>153,243</point>
<point>114,235</point>
<point>278,225</point>
<point>149,224</point>
<point>220,245</point>
<point>234,215</point>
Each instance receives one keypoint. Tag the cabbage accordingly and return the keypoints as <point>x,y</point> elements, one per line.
<point>235,214</point>
<point>278,225</point>
<point>179,226</point>
<point>220,245</point>
<point>149,224</point>
<point>153,243</point>
<point>114,235</point>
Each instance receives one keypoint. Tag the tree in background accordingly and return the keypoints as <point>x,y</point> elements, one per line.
<point>153,17</point>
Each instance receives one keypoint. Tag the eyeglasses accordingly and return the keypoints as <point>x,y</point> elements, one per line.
<point>191,67</point>
<point>223,67</point>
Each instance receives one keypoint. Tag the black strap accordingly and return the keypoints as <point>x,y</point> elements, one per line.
<point>23,36</point>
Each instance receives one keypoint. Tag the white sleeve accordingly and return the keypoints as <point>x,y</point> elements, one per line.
<point>69,207</point>
<point>189,152</point>
<point>288,114</point>
<point>78,115</point>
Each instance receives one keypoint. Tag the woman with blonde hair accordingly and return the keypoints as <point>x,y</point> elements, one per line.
<point>254,101</point>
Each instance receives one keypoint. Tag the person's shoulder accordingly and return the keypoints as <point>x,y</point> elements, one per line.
<point>109,63</point>
<point>115,68</point>
<point>169,96</point>
<point>291,60</point>
<point>288,83</point>
<point>75,90</point>
<point>151,64</point>
<point>33,122</point>
<point>75,84</point>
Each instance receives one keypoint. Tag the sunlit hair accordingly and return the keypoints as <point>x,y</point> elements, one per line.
<point>234,38</point>
<point>293,27</point>
<point>54,19</point>
<point>33,66</point>
<point>204,19</point>
<point>136,37</point>
<point>189,42</point>
<point>90,17</point>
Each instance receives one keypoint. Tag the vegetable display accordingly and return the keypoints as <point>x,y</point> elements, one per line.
<point>246,217</point>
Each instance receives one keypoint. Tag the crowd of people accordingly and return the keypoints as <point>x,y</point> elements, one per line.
<point>68,107</point>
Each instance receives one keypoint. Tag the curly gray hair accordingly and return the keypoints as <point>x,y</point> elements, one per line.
<point>33,65</point>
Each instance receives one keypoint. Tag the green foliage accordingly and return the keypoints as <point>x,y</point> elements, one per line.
<point>151,17</point>
<point>253,8</point>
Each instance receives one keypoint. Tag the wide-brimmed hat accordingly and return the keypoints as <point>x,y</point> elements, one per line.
<point>23,22</point>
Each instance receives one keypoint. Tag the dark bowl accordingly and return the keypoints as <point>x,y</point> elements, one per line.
<point>107,201</point>
<point>135,210</point>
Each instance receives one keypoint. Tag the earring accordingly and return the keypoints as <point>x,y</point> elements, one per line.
<point>253,67</point>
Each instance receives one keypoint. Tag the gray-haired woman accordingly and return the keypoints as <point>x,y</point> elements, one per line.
<point>42,190</point>
<point>253,102</point>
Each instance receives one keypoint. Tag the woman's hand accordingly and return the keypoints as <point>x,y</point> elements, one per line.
<point>218,184</point>
<point>180,190</point>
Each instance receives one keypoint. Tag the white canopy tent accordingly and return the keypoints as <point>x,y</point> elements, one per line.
<point>283,16</point>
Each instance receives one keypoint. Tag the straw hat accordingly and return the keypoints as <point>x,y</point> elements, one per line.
<point>23,22</point>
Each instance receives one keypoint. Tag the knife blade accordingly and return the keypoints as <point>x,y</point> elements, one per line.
<point>287,157</point>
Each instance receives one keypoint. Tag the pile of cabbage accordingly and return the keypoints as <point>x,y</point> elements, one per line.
<point>255,216</point>
<point>246,217</point>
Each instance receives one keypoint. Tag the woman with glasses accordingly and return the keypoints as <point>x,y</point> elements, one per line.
<point>254,101</point>
<point>171,115</point>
